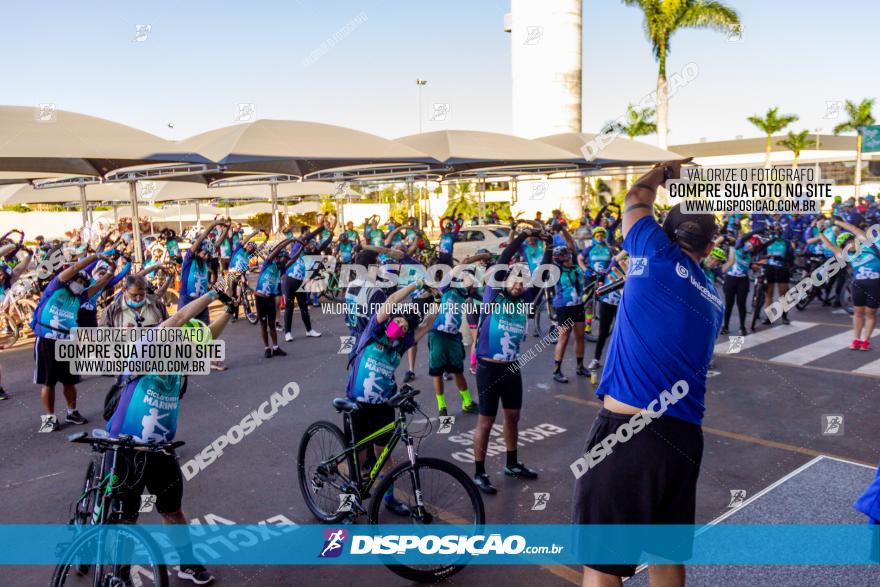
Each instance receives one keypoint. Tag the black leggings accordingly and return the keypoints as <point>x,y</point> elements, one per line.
<point>735,289</point>
<point>290,287</point>
<point>607,313</point>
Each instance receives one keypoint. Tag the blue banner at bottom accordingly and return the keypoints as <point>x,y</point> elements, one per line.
<point>289,544</point>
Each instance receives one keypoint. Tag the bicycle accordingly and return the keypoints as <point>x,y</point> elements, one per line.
<point>99,505</point>
<point>9,331</point>
<point>437,491</point>
<point>759,281</point>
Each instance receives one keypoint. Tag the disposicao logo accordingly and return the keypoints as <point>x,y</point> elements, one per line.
<point>333,542</point>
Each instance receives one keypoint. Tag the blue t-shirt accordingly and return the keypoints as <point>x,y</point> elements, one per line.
<point>193,279</point>
<point>240,260</point>
<point>570,288</point>
<point>449,316</point>
<point>148,408</point>
<point>447,242</point>
<point>667,322</point>
<point>57,311</point>
<point>376,358</point>
<point>345,251</point>
<point>269,280</point>
<point>865,265</point>
<point>502,325</point>
<point>777,251</point>
<point>597,257</point>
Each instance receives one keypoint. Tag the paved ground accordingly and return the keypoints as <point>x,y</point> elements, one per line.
<point>766,408</point>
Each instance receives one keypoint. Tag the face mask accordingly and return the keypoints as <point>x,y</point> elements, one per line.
<point>75,287</point>
<point>393,331</point>
<point>135,305</point>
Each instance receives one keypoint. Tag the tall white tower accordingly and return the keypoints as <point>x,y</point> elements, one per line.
<point>546,53</point>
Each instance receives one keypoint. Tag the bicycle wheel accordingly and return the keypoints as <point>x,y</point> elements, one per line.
<point>543,318</point>
<point>85,506</point>
<point>846,298</point>
<point>449,497</point>
<point>8,331</point>
<point>25,309</point>
<point>757,304</point>
<point>123,542</point>
<point>322,484</point>
<point>593,310</point>
<point>249,303</point>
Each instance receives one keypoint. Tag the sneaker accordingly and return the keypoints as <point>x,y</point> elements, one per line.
<point>268,353</point>
<point>409,376</point>
<point>559,377</point>
<point>520,470</point>
<point>313,334</point>
<point>279,352</point>
<point>75,417</point>
<point>470,408</point>
<point>3,394</point>
<point>397,507</point>
<point>581,371</point>
<point>743,331</point>
<point>856,344</point>
<point>785,320</point>
<point>724,331</point>
<point>866,345</point>
<point>442,412</point>
<point>288,337</point>
<point>198,574</point>
<point>594,364</point>
<point>473,370</point>
<point>483,484</point>
<point>765,321</point>
<point>48,423</point>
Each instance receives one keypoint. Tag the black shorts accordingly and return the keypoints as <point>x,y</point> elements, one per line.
<point>776,274</point>
<point>266,310</point>
<point>369,418</point>
<point>497,382</point>
<point>573,313</point>
<point>159,473</point>
<point>866,292</point>
<point>48,371</point>
<point>651,478</point>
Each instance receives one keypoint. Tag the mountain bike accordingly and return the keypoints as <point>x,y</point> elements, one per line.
<point>759,284</point>
<point>436,491</point>
<point>803,268</point>
<point>98,505</point>
<point>9,331</point>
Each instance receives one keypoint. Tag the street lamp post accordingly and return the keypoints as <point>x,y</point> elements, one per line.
<point>421,83</point>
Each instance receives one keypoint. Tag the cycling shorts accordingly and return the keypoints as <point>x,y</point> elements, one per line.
<point>866,292</point>
<point>158,473</point>
<point>47,370</point>
<point>776,274</point>
<point>445,353</point>
<point>498,383</point>
<point>574,313</point>
<point>266,310</point>
<point>370,418</point>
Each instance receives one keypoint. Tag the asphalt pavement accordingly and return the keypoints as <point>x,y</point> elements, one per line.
<point>767,412</point>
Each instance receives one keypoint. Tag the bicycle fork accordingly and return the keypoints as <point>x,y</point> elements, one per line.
<point>419,513</point>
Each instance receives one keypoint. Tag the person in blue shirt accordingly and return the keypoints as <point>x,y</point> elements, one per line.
<point>872,211</point>
<point>655,375</point>
<point>373,235</point>
<point>780,259</point>
<point>851,215</point>
<point>863,257</point>
<point>595,258</point>
<point>449,228</point>
<point>371,381</point>
<point>267,291</point>
<point>869,504</point>
<point>568,301</point>
<point>239,263</point>
<point>758,222</point>
<point>147,410</point>
<point>736,279</point>
<point>8,277</point>
<point>194,271</point>
<point>502,328</point>
<point>54,317</point>
<point>302,251</point>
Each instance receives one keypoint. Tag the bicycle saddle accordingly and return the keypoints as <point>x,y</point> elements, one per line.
<point>343,404</point>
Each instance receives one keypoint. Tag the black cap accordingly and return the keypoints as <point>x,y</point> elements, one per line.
<point>695,231</point>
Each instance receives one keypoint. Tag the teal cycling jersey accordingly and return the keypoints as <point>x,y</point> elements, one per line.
<point>226,248</point>
<point>345,251</point>
<point>570,288</point>
<point>57,312</point>
<point>502,326</point>
<point>298,269</point>
<point>172,247</point>
<point>449,316</point>
<point>148,408</point>
<point>831,236</point>
<point>447,241</point>
<point>776,252</point>
<point>269,280</point>
<point>240,260</point>
<point>193,279</point>
<point>597,257</point>
<point>376,238</point>
<point>865,265</point>
<point>376,358</point>
<point>742,259</point>
<point>613,297</point>
<point>710,274</point>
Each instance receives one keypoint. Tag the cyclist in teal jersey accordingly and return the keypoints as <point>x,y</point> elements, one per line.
<point>568,301</point>
<point>736,279</point>
<point>351,233</point>
<point>449,229</point>
<point>780,258</point>
<point>595,258</point>
<point>345,248</point>
<point>855,247</point>
<point>53,320</point>
<point>292,284</point>
<point>712,264</point>
<point>267,291</point>
<point>194,271</point>
<point>532,251</point>
<point>373,235</point>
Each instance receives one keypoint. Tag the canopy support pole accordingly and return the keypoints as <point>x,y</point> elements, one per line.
<point>135,224</point>
<point>83,204</point>
<point>179,220</point>
<point>275,224</point>
<point>410,209</point>
<point>115,213</point>
<point>198,216</point>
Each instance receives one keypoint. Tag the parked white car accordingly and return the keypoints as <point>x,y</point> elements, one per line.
<point>485,236</point>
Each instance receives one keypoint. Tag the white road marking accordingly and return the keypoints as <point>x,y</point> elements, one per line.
<point>816,350</point>
<point>763,336</point>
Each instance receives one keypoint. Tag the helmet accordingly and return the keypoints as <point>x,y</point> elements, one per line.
<point>599,230</point>
<point>561,254</point>
<point>869,198</point>
<point>718,254</point>
<point>195,325</point>
<point>842,238</point>
<point>838,199</point>
<point>756,241</point>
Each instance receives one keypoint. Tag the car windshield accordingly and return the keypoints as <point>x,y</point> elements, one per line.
<point>500,232</point>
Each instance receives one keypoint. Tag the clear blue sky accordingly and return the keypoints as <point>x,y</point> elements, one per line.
<point>200,59</point>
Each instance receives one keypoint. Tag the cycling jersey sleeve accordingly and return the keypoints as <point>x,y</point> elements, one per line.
<point>646,238</point>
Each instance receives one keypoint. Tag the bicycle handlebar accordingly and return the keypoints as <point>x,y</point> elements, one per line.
<point>124,440</point>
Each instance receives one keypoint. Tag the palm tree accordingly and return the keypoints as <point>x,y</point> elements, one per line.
<point>772,123</point>
<point>639,122</point>
<point>665,17</point>
<point>796,142</point>
<point>859,115</point>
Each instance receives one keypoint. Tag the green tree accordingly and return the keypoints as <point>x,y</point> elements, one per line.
<point>662,19</point>
<point>461,201</point>
<point>770,124</point>
<point>796,142</point>
<point>859,115</point>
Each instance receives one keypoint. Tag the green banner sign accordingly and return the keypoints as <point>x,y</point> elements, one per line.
<point>870,138</point>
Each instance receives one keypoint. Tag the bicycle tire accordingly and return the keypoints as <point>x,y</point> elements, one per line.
<point>82,513</point>
<point>757,304</point>
<point>249,303</point>
<point>593,334</point>
<point>25,310</point>
<point>306,476</point>
<point>543,319</point>
<point>9,331</point>
<point>846,297</point>
<point>473,494</point>
<point>159,571</point>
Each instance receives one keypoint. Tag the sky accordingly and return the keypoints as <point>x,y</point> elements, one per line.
<point>199,60</point>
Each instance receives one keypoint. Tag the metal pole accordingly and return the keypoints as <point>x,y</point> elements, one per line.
<point>179,220</point>
<point>83,204</point>
<point>135,224</point>
<point>198,215</point>
<point>275,224</point>
<point>115,213</point>
<point>409,198</point>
